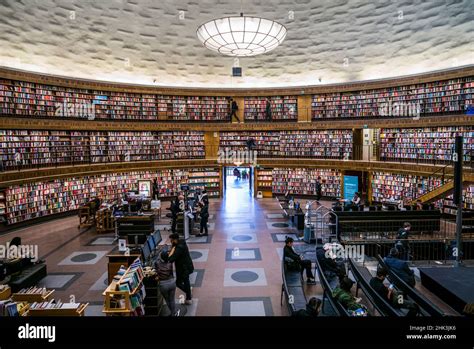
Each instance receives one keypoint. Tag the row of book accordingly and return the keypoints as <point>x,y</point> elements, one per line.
<point>396,187</point>
<point>30,148</point>
<point>305,143</point>
<point>11,308</point>
<point>30,99</point>
<point>302,181</point>
<point>429,143</point>
<point>444,96</point>
<point>37,199</point>
<point>281,108</point>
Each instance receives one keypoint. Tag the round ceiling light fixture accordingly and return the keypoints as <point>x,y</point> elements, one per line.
<point>241,36</point>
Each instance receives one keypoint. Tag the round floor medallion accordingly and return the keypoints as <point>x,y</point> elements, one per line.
<point>242,238</point>
<point>84,257</point>
<point>195,254</point>
<point>244,276</point>
<point>280,225</point>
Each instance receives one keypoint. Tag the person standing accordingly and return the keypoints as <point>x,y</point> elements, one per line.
<point>268,109</point>
<point>204,218</point>
<point>167,283</point>
<point>318,189</point>
<point>233,110</point>
<point>156,189</point>
<point>180,256</point>
<point>402,241</point>
<point>174,214</point>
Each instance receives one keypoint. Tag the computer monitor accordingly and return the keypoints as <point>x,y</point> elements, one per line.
<point>151,243</point>
<point>157,237</point>
<point>146,251</point>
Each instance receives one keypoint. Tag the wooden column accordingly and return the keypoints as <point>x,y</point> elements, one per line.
<point>342,184</point>
<point>304,108</point>
<point>358,142</point>
<point>369,188</point>
<point>211,144</point>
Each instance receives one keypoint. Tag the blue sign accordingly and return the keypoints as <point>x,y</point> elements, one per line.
<point>351,186</point>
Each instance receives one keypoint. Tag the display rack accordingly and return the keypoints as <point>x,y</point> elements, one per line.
<point>126,293</point>
<point>53,308</point>
<point>264,181</point>
<point>32,295</point>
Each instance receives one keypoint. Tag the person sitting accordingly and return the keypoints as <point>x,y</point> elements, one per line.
<point>343,295</point>
<point>312,308</point>
<point>400,267</point>
<point>303,264</point>
<point>389,293</point>
<point>328,263</point>
<point>354,204</point>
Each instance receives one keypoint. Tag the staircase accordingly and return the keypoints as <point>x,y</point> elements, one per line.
<point>445,190</point>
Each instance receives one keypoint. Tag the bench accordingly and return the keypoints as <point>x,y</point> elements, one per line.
<point>413,293</point>
<point>292,288</point>
<point>29,276</point>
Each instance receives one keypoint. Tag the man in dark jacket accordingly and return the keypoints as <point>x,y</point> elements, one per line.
<point>233,110</point>
<point>400,267</point>
<point>329,265</point>
<point>319,190</point>
<point>179,255</point>
<point>304,264</point>
<point>268,109</point>
<point>204,218</point>
<point>402,241</point>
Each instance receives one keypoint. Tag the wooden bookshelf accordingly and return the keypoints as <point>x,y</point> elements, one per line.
<point>28,99</point>
<point>282,108</point>
<point>206,178</point>
<point>38,199</point>
<point>302,181</point>
<point>387,186</point>
<point>264,181</point>
<point>31,149</point>
<point>323,144</point>
<point>436,97</point>
<point>429,144</point>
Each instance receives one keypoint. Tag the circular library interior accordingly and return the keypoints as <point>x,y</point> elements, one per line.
<point>216,158</point>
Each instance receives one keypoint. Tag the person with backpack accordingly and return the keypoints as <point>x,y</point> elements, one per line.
<point>166,281</point>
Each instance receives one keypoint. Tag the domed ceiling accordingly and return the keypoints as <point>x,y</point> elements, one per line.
<point>154,42</point>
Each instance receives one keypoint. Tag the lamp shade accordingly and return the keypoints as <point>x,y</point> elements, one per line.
<point>241,36</point>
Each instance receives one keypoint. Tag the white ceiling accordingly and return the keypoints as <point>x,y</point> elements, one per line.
<point>138,41</point>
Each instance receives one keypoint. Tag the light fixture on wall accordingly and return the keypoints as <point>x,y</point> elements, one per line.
<point>241,36</point>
